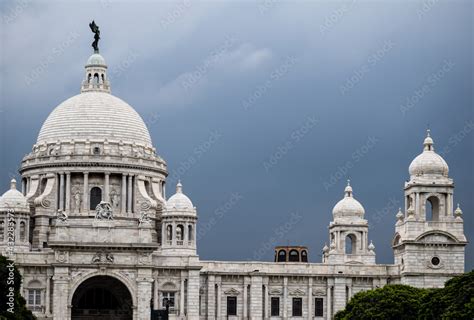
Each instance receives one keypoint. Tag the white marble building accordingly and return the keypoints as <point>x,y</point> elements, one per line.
<point>95,237</point>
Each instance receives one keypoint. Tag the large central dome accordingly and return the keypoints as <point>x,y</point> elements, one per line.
<point>94,115</point>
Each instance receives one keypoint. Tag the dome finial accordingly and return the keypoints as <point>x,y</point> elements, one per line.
<point>13,184</point>
<point>179,187</point>
<point>348,189</point>
<point>428,143</point>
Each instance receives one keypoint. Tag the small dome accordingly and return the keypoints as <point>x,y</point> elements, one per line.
<point>13,198</point>
<point>428,162</point>
<point>348,207</point>
<point>179,201</point>
<point>96,60</point>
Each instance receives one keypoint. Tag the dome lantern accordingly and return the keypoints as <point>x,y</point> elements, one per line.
<point>428,163</point>
<point>96,75</point>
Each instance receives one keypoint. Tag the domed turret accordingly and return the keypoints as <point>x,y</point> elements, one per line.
<point>348,207</point>
<point>179,225</point>
<point>428,162</point>
<point>13,199</point>
<point>179,201</point>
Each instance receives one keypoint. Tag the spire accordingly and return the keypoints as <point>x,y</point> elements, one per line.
<point>428,143</point>
<point>13,184</point>
<point>348,189</point>
<point>179,187</point>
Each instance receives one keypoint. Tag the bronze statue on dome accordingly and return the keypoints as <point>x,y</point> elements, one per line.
<point>96,31</point>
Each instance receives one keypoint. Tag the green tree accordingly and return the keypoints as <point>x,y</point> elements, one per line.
<point>454,301</point>
<point>390,302</point>
<point>12,304</point>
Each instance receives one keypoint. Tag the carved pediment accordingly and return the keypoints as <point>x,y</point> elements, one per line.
<point>275,292</point>
<point>168,286</point>
<point>319,292</point>
<point>232,292</point>
<point>297,292</point>
<point>437,237</point>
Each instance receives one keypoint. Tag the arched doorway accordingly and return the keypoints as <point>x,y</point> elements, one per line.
<point>102,297</point>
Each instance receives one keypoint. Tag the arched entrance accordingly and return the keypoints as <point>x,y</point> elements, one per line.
<point>102,297</point>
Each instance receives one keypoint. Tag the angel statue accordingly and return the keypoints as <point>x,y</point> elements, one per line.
<point>95,29</point>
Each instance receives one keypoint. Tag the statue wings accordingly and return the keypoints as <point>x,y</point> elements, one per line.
<point>94,27</point>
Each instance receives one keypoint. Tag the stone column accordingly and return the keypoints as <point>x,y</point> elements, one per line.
<point>123,197</point>
<point>349,287</point>
<point>219,299</point>
<point>23,186</point>
<point>106,187</point>
<point>193,295</point>
<point>48,293</point>
<point>211,298</point>
<point>85,193</point>
<point>417,205</point>
<point>185,234</point>
<point>339,294</point>
<point>155,292</point>
<point>144,282</point>
<point>245,298</point>
<point>266,301</point>
<point>68,192</point>
<point>61,191</point>
<point>129,195</point>
<point>310,298</point>
<point>285,297</point>
<point>181,297</point>
<point>61,293</point>
<point>173,234</point>
<point>256,307</point>
<point>328,302</point>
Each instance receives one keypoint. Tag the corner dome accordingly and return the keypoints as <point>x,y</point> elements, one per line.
<point>96,60</point>
<point>348,207</point>
<point>179,201</point>
<point>13,198</point>
<point>428,162</point>
<point>94,115</point>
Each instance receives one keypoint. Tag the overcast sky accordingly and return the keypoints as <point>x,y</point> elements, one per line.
<point>264,109</point>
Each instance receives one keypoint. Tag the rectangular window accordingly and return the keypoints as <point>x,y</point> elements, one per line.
<point>231,306</point>
<point>318,307</point>
<point>297,307</point>
<point>34,299</point>
<point>167,296</point>
<point>275,307</point>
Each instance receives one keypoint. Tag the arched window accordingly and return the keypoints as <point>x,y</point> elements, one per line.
<point>294,256</point>
<point>351,244</point>
<point>96,197</point>
<point>22,231</point>
<point>432,209</point>
<point>180,232</point>
<point>190,233</point>
<point>281,256</point>
<point>103,79</point>
<point>96,78</point>
<point>169,232</point>
<point>304,256</point>
<point>89,77</point>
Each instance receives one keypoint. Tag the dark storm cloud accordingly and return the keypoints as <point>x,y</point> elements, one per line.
<point>223,87</point>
